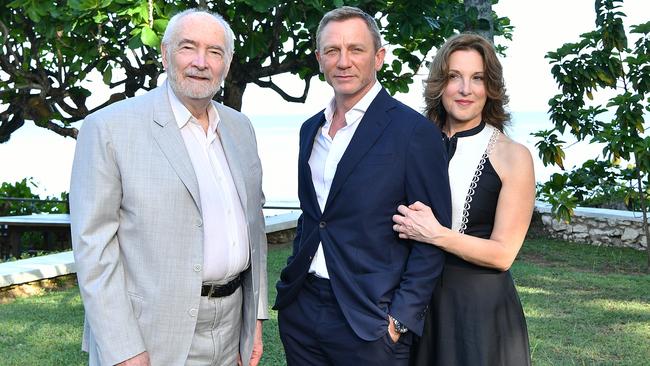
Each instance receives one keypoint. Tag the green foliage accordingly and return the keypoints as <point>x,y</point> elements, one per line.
<point>33,204</point>
<point>596,183</point>
<point>50,48</point>
<point>10,205</point>
<point>27,255</point>
<point>601,61</point>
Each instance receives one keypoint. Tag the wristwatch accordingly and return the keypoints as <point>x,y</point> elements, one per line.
<point>399,327</point>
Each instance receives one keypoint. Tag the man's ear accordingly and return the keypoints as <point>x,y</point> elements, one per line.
<point>226,70</point>
<point>379,58</point>
<point>163,51</point>
<point>320,68</point>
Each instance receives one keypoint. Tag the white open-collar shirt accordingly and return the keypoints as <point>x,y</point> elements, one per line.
<point>225,234</point>
<point>325,156</point>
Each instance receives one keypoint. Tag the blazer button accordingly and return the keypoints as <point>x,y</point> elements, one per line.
<point>193,312</point>
<point>197,268</point>
<point>199,222</point>
<point>322,224</point>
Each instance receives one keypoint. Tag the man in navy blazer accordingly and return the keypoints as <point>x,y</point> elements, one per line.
<point>352,292</point>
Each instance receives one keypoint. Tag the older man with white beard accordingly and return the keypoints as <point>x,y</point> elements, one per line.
<point>166,209</point>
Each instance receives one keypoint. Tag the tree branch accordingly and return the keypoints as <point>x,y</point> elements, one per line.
<point>63,131</point>
<point>289,64</point>
<point>112,99</point>
<point>8,124</point>
<point>270,84</point>
<point>10,50</point>
<point>59,96</point>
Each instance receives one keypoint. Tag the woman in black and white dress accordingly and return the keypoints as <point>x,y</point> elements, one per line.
<point>475,316</point>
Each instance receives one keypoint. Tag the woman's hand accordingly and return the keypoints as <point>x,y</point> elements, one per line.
<point>417,222</point>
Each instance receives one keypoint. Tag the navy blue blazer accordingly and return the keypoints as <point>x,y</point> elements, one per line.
<point>395,157</point>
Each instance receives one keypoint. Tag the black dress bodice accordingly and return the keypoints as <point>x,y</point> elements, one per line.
<point>475,316</point>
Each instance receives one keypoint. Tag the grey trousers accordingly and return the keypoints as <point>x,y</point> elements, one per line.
<point>216,336</point>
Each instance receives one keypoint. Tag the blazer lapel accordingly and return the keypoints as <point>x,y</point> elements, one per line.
<point>370,128</point>
<point>168,137</point>
<point>232,150</point>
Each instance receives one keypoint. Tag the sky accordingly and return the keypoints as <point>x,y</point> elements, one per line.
<point>540,27</point>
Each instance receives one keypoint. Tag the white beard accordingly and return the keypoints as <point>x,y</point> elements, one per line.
<point>183,87</point>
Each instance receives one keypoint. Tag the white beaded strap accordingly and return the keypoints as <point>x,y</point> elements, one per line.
<point>475,179</point>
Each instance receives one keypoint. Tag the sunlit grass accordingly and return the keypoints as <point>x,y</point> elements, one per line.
<point>584,305</point>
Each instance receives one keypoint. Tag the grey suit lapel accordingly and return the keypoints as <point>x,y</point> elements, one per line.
<point>168,137</point>
<point>227,131</point>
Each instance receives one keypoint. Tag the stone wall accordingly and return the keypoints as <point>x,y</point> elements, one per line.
<point>281,237</point>
<point>596,226</point>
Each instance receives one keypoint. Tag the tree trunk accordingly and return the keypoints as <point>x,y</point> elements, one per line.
<point>484,8</point>
<point>644,211</point>
<point>233,94</point>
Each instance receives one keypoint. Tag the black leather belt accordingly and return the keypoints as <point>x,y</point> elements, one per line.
<point>214,290</point>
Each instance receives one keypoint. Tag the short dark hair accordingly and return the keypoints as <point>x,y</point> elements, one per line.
<point>494,112</point>
<point>345,13</point>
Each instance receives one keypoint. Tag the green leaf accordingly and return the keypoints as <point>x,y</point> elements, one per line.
<point>483,24</point>
<point>135,42</point>
<point>100,18</point>
<point>83,5</point>
<point>397,66</point>
<point>107,76</point>
<point>256,44</point>
<point>159,25</point>
<point>313,3</point>
<point>149,37</point>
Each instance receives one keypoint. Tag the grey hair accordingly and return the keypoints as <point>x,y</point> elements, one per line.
<point>345,13</point>
<point>170,31</point>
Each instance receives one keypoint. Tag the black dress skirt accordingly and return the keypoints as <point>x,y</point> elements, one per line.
<point>475,317</point>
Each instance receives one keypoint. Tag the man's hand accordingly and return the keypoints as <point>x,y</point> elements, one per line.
<point>394,334</point>
<point>141,359</point>
<point>258,346</point>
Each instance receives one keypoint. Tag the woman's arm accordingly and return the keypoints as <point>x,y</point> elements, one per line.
<point>514,166</point>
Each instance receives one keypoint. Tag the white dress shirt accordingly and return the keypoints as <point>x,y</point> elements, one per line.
<point>325,156</point>
<point>225,234</point>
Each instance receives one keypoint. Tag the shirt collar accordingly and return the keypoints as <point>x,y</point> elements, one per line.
<point>358,110</point>
<point>182,115</point>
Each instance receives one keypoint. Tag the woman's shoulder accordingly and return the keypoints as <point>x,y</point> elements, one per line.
<point>511,148</point>
<point>509,155</point>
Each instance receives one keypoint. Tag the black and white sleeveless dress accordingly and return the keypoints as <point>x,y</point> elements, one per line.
<point>475,317</point>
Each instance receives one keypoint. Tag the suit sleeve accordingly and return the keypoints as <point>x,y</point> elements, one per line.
<point>426,181</point>
<point>95,195</point>
<point>263,304</point>
<point>262,245</point>
<point>296,239</point>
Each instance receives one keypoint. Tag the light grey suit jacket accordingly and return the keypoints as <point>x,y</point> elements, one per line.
<point>137,229</point>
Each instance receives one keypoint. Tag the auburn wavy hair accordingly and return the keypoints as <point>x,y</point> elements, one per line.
<point>494,111</point>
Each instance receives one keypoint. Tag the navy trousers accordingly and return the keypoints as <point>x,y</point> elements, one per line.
<point>314,332</point>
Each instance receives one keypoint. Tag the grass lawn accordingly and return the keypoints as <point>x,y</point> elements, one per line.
<point>585,306</point>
